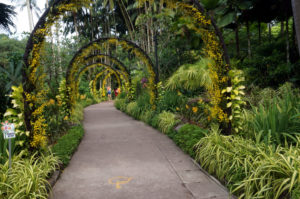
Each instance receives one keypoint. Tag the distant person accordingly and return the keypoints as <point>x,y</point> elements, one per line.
<point>116,92</point>
<point>109,92</point>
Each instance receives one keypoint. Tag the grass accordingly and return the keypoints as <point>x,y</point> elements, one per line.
<point>67,144</point>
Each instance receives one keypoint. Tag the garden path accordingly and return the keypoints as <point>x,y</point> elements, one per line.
<point>121,158</point>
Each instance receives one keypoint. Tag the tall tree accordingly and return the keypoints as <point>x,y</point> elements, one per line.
<point>31,6</point>
<point>296,13</point>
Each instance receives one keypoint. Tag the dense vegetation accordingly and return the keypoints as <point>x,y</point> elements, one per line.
<point>228,80</point>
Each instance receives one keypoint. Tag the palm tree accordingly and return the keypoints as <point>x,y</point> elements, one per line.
<point>6,14</point>
<point>296,13</point>
<point>31,6</point>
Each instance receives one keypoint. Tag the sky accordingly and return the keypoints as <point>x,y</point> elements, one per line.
<point>21,19</point>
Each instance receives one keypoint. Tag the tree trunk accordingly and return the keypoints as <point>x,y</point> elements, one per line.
<point>259,32</point>
<point>287,40</point>
<point>270,31</point>
<point>237,40</point>
<point>30,18</point>
<point>296,13</point>
<point>248,38</point>
<point>282,27</point>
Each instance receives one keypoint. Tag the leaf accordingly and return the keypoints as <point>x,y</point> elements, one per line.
<point>227,19</point>
<point>229,104</point>
<point>210,4</point>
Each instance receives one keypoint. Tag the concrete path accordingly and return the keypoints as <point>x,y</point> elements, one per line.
<point>122,158</point>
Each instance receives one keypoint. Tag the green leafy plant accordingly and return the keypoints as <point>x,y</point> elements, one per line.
<point>133,110</point>
<point>236,99</point>
<point>166,121</point>
<point>275,121</point>
<point>187,136</point>
<point>67,144</point>
<point>250,170</point>
<point>27,178</point>
<point>191,76</point>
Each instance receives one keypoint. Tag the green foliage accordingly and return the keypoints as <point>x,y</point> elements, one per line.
<point>169,101</point>
<point>236,94</point>
<point>67,144</point>
<point>155,121</point>
<point>187,136</point>
<point>15,115</point>
<point>133,110</point>
<point>191,76</point>
<point>122,95</point>
<point>268,68</point>
<point>143,101</point>
<point>250,170</point>
<point>277,120</point>
<point>27,178</point>
<point>120,104</point>
<point>147,116</point>
<point>166,121</point>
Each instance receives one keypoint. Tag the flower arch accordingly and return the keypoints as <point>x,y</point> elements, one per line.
<point>35,97</point>
<point>119,74</point>
<point>129,46</point>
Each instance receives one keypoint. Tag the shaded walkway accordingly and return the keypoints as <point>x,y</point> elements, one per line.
<point>122,158</point>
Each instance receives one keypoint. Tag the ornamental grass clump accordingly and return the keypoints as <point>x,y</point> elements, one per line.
<point>166,121</point>
<point>251,170</point>
<point>133,109</point>
<point>28,177</point>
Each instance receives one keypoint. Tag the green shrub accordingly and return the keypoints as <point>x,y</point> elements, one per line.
<point>187,136</point>
<point>155,121</point>
<point>166,121</point>
<point>133,110</point>
<point>275,121</point>
<point>147,116</point>
<point>27,178</point>
<point>250,170</point>
<point>122,95</point>
<point>67,144</point>
<point>169,101</point>
<point>119,103</point>
<point>143,101</point>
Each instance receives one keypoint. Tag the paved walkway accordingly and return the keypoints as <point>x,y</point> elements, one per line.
<point>121,158</point>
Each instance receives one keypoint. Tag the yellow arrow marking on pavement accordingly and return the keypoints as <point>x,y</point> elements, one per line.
<point>119,180</point>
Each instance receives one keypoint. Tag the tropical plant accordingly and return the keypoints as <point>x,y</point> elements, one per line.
<point>250,170</point>
<point>28,177</point>
<point>13,72</point>
<point>7,12</point>
<point>191,76</point>
<point>187,136</point>
<point>133,109</point>
<point>235,95</point>
<point>166,121</point>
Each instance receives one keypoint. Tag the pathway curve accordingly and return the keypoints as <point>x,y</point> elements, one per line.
<point>121,158</point>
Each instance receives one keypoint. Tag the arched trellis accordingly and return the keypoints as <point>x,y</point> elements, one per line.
<point>99,75</point>
<point>118,73</point>
<point>104,81</point>
<point>112,59</point>
<point>86,50</point>
<point>59,7</point>
<point>123,74</point>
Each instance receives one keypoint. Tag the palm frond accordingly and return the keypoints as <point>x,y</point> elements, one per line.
<point>6,14</point>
